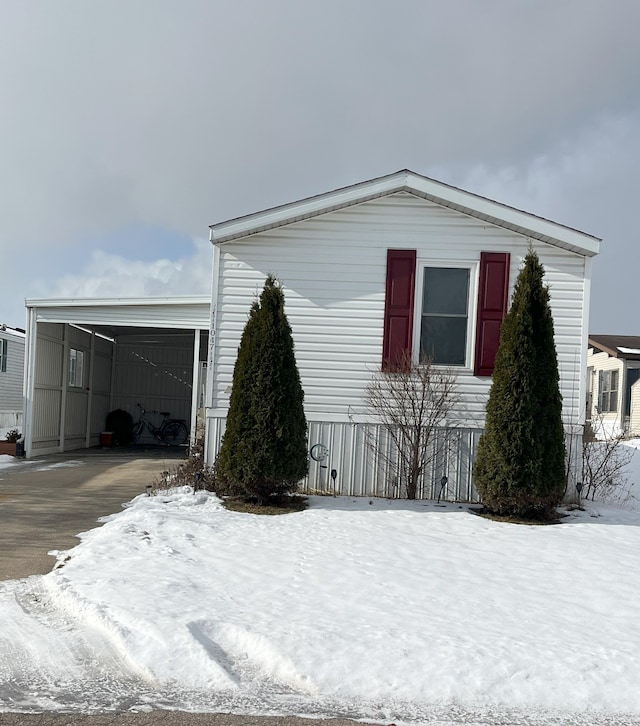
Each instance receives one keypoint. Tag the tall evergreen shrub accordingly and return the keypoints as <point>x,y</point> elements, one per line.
<point>520,462</point>
<point>264,449</point>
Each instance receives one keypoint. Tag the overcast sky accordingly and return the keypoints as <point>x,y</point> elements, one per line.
<point>128,126</point>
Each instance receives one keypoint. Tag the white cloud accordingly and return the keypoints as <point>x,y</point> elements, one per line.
<point>109,275</point>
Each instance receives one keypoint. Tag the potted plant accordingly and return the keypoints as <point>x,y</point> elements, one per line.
<point>12,444</point>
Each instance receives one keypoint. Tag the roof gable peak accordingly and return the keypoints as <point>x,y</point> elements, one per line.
<point>406,180</point>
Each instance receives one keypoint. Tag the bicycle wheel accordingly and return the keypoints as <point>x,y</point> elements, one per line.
<point>174,433</point>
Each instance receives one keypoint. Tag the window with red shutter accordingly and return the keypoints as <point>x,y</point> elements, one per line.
<point>443,311</point>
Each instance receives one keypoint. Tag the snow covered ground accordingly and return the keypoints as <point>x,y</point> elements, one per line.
<point>387,610</point>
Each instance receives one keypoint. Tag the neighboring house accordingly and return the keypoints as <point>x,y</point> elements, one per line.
<point>394,264</point>
<point>613,368</point>
<point>11,376</point>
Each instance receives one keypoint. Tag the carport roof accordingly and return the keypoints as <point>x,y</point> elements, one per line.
<point>111,316</point>
<point>114,301</point>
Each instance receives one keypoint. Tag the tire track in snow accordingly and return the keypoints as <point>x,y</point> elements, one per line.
<point>50,657</point>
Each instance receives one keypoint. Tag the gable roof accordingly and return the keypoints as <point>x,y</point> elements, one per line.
<point>445,195</point>
<point>618,346</point>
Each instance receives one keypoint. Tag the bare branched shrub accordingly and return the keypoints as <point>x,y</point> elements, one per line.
<point>409,404</point>
<point>604,460</point>
<point>191,472</point>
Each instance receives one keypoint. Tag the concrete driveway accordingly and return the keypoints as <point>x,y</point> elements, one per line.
<point>45,502</point>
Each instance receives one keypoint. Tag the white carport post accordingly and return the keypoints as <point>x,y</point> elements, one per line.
<point>65,385</point>
<point>29,377</point>
<point>92,355</point>
<point>195,387</point>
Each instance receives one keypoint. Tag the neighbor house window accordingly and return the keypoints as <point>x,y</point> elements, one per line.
<point>608,391</point>
<point>444,320</point>
<point>3,356</point>
<point>76,368</point>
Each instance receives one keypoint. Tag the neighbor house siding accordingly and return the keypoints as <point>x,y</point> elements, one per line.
<point>333,269</point>
<point>11,381</point>
<point>634,419</point>
<point>601,361</point>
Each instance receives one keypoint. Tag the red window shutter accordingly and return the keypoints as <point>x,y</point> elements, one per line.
<point>493,297</point>
<point>398,308</point>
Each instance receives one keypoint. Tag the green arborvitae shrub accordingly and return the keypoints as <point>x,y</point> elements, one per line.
<point>520,463</point>
<point>264,448</point>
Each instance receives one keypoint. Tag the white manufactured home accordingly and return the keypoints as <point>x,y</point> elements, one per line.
<point>397,264</point>
<point>86,357</point>
<point>613,383</point>
<point>11,376</point>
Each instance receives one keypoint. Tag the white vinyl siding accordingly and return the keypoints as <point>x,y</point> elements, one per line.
<point>333,270</point>
<point>11,378</point>
<point>634,418</point>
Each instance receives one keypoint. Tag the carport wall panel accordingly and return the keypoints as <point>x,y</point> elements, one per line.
<point>76,415</point>
<point>158,377</point>
<point>77,397</point>
<point>49,362</point>
<point>46,423</point>
<point>47,395</point>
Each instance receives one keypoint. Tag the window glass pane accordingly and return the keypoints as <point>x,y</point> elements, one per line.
<point>76,365</point>
<point>445,290</point>
<point>72,366</point>
<point>80,370</point>
<point>444,339</point>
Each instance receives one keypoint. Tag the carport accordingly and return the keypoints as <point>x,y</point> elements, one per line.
<point>86,357</point>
